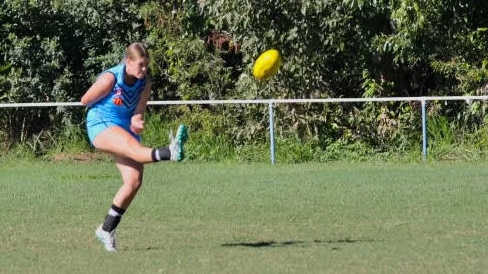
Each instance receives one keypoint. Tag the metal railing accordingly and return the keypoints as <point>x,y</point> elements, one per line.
<point>272,102</point>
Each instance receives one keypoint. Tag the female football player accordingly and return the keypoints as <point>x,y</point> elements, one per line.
<point>117,101</point>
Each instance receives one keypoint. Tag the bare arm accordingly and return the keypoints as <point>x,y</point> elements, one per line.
<point>99,89</point>
<point>141,105</point>
<point>137,120</point>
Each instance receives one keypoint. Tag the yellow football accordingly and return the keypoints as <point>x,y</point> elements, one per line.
<point>267,65</point>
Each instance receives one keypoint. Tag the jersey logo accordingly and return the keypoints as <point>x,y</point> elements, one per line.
<point>129,99</point>
<point>118,101</point>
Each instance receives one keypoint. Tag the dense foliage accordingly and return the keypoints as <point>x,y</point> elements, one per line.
<point>52,51</point>
<point>355,48</point>
<point>204,49</point>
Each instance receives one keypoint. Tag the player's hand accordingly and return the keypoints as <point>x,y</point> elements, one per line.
<point>137,125</point>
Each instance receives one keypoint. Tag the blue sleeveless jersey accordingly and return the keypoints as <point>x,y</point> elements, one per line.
<point>119,105</point>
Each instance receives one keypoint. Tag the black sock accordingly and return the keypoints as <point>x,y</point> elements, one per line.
<point>113,218</point>
<point>161,154</point>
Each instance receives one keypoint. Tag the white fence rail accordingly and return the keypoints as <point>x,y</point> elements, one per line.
<point>272,102</point>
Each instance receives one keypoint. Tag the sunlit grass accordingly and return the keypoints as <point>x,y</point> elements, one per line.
<point>231,218</point>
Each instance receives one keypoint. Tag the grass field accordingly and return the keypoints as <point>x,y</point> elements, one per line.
<point>231,218</point>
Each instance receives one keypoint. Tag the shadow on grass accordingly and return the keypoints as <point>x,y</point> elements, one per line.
<point>293,243</point>
<point>261,244</point>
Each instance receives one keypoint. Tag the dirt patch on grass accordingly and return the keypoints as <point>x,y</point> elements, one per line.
<point>80,157</point>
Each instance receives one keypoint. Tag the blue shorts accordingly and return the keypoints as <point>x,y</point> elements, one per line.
<point>95,124</point>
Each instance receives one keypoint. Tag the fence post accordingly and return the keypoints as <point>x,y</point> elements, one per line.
<point>271,131</point>
<point>424,132</point>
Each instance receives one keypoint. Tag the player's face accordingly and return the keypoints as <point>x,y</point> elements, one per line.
<point>137,67</point>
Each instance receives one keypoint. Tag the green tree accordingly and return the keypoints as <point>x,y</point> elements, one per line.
<point>53,50</point>
<point>355,48</point>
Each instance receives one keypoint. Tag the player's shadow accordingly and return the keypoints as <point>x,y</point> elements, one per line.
<point>260,244</point>
<point>334,244</point>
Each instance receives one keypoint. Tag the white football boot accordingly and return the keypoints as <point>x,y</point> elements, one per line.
<point>106,238</point>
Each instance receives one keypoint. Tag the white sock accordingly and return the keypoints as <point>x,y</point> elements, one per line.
<point>114,213</point>
<point>156,155</point>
